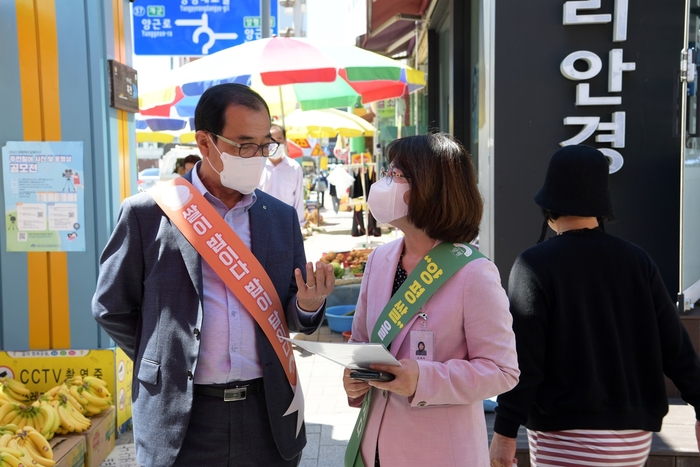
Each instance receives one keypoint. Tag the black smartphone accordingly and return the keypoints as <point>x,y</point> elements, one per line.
<point>371,375</point>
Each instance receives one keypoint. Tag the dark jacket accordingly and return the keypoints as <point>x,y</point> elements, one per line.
<point>148,299</point>
<point>596,331</point>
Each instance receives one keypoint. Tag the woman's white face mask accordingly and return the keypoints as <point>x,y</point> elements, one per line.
<point>240,174</point>
<point>386,202</point>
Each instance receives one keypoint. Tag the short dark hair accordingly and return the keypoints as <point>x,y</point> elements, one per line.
<point>210,114</point>
<point>444,200</point>
<point>282,129</point>
<point>191,159</point>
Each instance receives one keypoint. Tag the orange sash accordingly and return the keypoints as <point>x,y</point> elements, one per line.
<point>235,264</point>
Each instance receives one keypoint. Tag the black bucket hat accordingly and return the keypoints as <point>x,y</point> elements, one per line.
<point>576,183</point>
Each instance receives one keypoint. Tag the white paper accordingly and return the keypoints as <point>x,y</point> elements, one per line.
<point>352,355</point>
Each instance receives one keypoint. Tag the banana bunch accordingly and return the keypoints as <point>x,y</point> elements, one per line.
<point>14,391</point>
<point>91,393</point>
<point>17,414</point>
<point>70,413</point>
<point>7,459</point>
<point>6,434</point>
<point>39,415</point>
<point>24,447</point>
<point>62,409</point>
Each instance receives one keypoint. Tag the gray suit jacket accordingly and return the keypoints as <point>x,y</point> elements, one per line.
<point>149,300</point>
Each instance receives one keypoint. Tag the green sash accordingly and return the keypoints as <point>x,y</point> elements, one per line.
<point>434,270</point>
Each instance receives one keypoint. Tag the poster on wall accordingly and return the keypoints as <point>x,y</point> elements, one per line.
<point>44,196</point>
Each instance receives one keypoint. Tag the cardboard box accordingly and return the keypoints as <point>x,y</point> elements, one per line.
<point>99,438</point>
<point>68,451</point>
<point>40,370</point>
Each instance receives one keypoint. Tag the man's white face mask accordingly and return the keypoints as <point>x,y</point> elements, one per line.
<point>281,152</point>
<point>239,173</point>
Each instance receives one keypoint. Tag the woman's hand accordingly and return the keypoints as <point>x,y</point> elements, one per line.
<point>502,451</point>
<point>354,388</point>
<point>406,379</point>
<point>312,293</point>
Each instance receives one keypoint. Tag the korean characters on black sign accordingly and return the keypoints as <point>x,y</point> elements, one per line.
<point>611,131</point>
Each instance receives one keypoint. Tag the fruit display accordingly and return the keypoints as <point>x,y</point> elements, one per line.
<point>63,409</point>
<point>38,415</point>
<point>338,262</point>
<point>12,390</point>
<point>338,270</point>
<point>331,256</point>
<point>357,259</point>
<point>24,447</point>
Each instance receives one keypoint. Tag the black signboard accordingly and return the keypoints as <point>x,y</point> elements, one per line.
<point>605,74</point>
<point>123,87</point>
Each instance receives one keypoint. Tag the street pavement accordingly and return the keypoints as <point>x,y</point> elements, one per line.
<point>329,419</point>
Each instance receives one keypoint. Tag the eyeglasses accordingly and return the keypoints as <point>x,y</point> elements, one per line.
<point>251,149</point>
<point>391,173</point>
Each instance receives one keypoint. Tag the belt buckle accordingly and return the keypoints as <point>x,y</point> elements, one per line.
<point>235,394</point>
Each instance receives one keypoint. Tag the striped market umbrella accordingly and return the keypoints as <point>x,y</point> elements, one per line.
<point>289,73</point>
<point>327,123</point>
<point>163,130</point>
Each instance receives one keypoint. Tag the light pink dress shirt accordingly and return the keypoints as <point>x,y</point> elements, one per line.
<point>228,351</point>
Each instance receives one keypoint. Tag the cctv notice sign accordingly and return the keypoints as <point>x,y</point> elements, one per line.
<point>44,197</point>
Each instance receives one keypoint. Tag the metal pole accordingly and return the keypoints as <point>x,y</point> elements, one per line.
<point>680,304</point>
<point>265,18</point>
<point>416,117</point>
<point>282,107</point>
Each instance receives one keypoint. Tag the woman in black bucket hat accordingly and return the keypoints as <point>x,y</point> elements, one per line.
<point>596,331</point>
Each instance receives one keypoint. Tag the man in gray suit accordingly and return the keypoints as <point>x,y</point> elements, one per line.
<point>194,345</point>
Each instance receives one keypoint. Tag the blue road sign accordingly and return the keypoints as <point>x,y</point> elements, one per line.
<point>196,27</point>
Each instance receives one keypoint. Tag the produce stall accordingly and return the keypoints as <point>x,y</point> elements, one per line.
<point>349,267</point>
<point>77,407</point>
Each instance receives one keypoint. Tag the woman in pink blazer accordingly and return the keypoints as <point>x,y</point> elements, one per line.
<point>432,412</point>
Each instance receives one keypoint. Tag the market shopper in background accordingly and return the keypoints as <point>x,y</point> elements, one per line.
<point>596,331</point>
<point>432,412</point>
<point>321,185</point>
<point>333,192</point>
<point>282,177</point>
<point>210,387</point>
<point>190,161</point>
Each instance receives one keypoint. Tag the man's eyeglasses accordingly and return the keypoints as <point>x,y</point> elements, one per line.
<point>251,149</point>
<point>391,173</point>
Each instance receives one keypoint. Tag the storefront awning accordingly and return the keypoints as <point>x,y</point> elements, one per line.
<point>391,25</point>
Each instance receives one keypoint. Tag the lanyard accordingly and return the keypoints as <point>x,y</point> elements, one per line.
<point>430,274</point>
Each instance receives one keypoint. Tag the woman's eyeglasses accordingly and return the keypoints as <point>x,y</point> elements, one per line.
<point>391,173</point>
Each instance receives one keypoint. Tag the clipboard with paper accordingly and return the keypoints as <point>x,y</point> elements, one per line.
<point>351,355</point>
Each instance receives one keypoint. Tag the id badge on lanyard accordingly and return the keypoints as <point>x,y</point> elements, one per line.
<point>422,341</point>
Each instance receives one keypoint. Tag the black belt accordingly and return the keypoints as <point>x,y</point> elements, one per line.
<point>238,391</point>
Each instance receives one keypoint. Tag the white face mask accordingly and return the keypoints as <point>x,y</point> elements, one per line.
<point>240,174</point>
<point>279,153</point>
<point>386,200</point>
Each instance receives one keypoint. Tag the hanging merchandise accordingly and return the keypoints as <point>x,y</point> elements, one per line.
<point>365,177</point>
<point>341,179</point>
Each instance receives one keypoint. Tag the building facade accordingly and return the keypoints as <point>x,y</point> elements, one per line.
<point>515,81</point>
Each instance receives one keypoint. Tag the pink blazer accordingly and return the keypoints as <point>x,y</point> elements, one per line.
<point>474,359</point>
